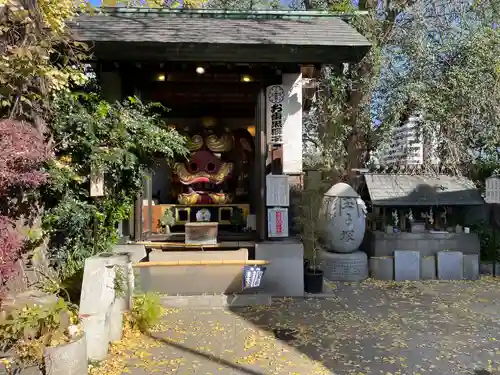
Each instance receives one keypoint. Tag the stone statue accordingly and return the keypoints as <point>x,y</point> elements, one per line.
<point>344,214</point>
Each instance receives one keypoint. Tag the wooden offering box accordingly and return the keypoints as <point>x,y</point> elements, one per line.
<point>201,233</point>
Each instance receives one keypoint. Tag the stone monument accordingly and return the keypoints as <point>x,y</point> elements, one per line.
<point>344,217</point>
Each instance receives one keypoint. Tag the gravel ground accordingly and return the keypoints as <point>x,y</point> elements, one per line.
<point>387,328</point>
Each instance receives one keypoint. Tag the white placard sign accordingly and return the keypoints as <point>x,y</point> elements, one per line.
<point>492,191</point>
<point>96,183</point>
<point>277,191</point>
<point>276,102</point>
<point>277,222</point>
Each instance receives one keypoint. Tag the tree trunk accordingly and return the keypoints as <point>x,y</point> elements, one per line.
<point>355,146</point>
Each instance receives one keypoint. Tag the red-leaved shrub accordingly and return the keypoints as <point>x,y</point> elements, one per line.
<point>23,151</point>
<point>10,250</point>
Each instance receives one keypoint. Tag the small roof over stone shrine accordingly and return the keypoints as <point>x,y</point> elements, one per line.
<point>418,190</point>
<point>216,35</point>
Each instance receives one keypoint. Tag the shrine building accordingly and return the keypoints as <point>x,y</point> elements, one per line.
<point>236,84</point>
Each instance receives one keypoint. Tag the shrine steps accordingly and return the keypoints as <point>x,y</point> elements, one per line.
<point>176,246</point>
<point>219,270</point>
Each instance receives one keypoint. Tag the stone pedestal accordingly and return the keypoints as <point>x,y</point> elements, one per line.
<point>471,267</point>
<point>428,268</point>
<point>284,275</point>
<point>450,265</point>
<point>418,228</point>
<point>406,265</point>
<point>136,252</point>
<point>382,268</point>
<point>96,328</point>
<point>380,244</point>
<point>97,298</point>
<point>344,267</point>
<point>116,319</point>
<point>16,301</point>
<point>67,359</point>
<point>98,289</point>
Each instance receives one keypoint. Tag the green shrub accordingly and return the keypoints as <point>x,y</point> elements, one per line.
<point>32,328</point>
<point>147,311</point>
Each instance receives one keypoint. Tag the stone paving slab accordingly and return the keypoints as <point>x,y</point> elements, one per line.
<point>215,301</point>
<point>388,328</point>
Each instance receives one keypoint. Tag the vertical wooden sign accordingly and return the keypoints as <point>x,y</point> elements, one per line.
<point>96,183</point>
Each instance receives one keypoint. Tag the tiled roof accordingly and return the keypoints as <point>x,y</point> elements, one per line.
<point>417,190</point>
<point>215,27</point>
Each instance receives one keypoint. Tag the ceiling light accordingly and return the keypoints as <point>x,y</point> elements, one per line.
<point>246,78</point>
<point>200,70</point>
<point>251,130</point>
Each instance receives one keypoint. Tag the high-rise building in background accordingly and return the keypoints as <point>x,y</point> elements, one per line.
<point>409,146</point>
<point>406,145</point>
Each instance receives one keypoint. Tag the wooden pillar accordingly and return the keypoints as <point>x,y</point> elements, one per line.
<point>276,152</point>
<point>260,166</point>
<point>138,218</point>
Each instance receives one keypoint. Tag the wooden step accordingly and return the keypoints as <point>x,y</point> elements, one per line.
<point>176,246</point>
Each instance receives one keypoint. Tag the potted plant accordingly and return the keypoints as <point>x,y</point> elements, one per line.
<point>313,277</point>
<point>395,221</point>
<point>442,220</point>
<point>237,220</point>
<point>429,217</point>
<point>410,219</point>
<point>167,221</point>
<point>48,337</point>
<point>309,224</point>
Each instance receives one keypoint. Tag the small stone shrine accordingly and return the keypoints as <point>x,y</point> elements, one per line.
<point>343,212</point>
<point>418,227</point>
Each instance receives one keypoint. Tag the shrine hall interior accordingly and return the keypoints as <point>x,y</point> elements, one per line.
<point>215,107</point>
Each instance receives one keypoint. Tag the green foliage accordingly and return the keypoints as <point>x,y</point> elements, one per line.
<point>308,220</point>
<point>70,227</point>
<point>147,311</point>
<point>33,32</point>
<point>167,220</point>
<point>490,242</point>
<point>450,56</point>
<point>338,130</point>
<point>31,329</point>
<point>121,140</point>
<point>120,281</point>
<point>237,217</point>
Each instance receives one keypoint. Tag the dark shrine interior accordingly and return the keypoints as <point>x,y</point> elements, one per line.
<point>221,90</point>
<point>191,93</point>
